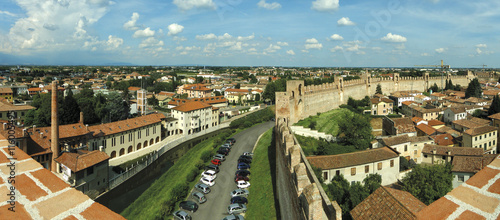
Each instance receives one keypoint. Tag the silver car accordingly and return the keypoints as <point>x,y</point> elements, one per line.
<point>199,197</point>
<point>233,217</point>
<point>220,157</point>
<point>181,215</point>
<point>202,188</point>
<point>239,192</point>
<point>236,208</point>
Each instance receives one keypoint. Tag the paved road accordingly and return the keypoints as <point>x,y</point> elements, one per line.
<point>218,200</point>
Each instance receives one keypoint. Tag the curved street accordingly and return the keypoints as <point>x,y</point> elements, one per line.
<point>219,198</point>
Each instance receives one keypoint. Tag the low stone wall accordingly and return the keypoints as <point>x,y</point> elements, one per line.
<point>307,132</point>
<point>313,201</point>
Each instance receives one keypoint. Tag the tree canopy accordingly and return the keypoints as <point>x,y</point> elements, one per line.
<point>379,89</point>
<point>429,183</point>
<point>356,130</point>
<point>495,106</point>
<point>474,89</point>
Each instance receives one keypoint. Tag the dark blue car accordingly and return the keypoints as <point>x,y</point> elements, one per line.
<point>239,199</point>
<point>243,166</point>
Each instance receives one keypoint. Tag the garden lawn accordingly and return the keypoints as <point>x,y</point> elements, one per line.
<point>326,122</point>
<point>261,198</point>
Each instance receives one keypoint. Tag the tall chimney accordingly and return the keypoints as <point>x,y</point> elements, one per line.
<point>81,117</point>
<point>54,144</point>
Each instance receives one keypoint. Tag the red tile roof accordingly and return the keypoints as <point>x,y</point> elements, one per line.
<point>327,162</point>
<point>443,139</point>
<point>191,106</point>
<point>452,151</point>
<point>480,130</point>
<point>428,130</point>
<point>126,125</point>
<point>82,159</point>
<point>388,203</point>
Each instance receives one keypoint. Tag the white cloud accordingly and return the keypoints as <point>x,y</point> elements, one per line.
<point>210,36</point>
<point>312,41</point>
<point>269,6</point>
<point>185,5</point>
<point>313,44</point>
<point>290,52</point>
<point>305,51</point>
<point>353,46</point>
<point>225,36</point>
<point>481,45</point>
<point>283,44</point>
<point>174,29</point>
<point>52,25</point>
<point>336,48</point>
<point>180,39</point>
<point>251,37</point>
<point>114,42</point>
<point>336,37</point>
<point>441,50</point>
<point>325,5</point>
<point>272,48</point>
<point>151,42</point>
<point>144,33</point>
<point>132,24</point>
<point>425,54</point>
<point>400,47</point>
<point>394,38</point>
<point>345,21</point>
<point>236,46</point>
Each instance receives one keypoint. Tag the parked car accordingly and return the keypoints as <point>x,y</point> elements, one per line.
<point>223,151</point>
<point>188,205</point>
<point>209,174</point>
<point>243,160</point>
<point>238,178</point>
<point>239,199</point>
<point>233,217</point>
<point>245,157</point>
<point>242,173</point>
<point>181,215</point>
<point>242,166</point>
<point>199,197</point>
<point>221,157</point>
<point>236,208</point>
<point>202,188</point>
<point>248,153</point>
<point>216,162</point>
<point>228,145</point>
<point>242,184</point>
<point>223,147</point>
<point>232,140</point>
<point>239,192</point>
<point>207,181</point>
<point>212,167</point>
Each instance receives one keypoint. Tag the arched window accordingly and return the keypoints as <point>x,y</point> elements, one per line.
<point>145,143</point>
<point>139,146</point>
<point>157,139</point>
<point>113,154</point>
<point>130,149</point>
<point>151,141</point>
<point>122,151</point>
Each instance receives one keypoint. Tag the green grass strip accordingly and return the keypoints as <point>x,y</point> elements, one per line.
<point>326,122</point>
<point>261,198</point>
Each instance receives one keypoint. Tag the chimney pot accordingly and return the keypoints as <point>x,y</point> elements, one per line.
<point>41,134</point>
<point>4,126</point>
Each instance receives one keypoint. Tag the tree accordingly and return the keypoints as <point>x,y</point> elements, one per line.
<point>495,106</point>
<point>474,89</point>
<point>237,86</point>
<point>257,97</point>
<point>253,79</point>
<point>372,182</point>
<point>153,101</point>
<point>86,102</point>
<point>118,108</point>
<point>217,93</point>
<point>379,89</point>
<point>356,129</point>
<point>71,110</point>
<point>434,88</point>
<point>429,183</point>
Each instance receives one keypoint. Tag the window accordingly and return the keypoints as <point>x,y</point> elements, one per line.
<point>325,176</point>
<point>444,157</point>
<point>406,148</point>
<point>353,171</point>
<point>461,178</point>
<point>337,172</point>
<point>415,152</point>
<point>392,163</point>
<point>367,169</point>
<point>379,166</point>
<point>425,155</point>
<point>475,138</point>
<point>90,170</point>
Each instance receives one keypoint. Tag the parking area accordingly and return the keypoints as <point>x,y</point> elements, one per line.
<point>219,198</point>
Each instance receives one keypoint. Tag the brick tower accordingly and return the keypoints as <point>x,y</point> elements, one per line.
<point>54,139</point>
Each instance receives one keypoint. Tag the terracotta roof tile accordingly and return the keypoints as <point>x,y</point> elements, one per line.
<point>443,139</point>
<point>53,183</point>
<point>468,215</point>
<point>327,162</point>
<point>453,151</point>
<point>482,178</point>
<point>28,187</point>
<point>428,130</point>
<point>20,212</point>
<point>98,211</point>
<point>435,122</point>
<point>471,164</point>
<point>395,140</point>
<point>480,130</point>
<point>495,116</point>
<point>6,106</point>
<point>466,123</point>
<point>404,125</point>
<point>387,203</point>
<point>191,106</point>
<point>82,159</point>
<point>438,210</point>
<point>6,90</point>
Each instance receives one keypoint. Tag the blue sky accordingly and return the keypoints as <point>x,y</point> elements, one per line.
<point>336,33</point>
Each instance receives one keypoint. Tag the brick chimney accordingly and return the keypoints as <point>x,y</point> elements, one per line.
<point>81,117</point>
<point>54,144</point>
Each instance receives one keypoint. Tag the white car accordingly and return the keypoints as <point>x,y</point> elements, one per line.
<point>220,157</point>
<point>209,175</point>
<point>248,153</point>
<point>207,182</point>
<point>239,192</point>
<point>242,184</point>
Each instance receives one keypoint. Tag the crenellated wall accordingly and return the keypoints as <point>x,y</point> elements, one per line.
<point>303,190</point>
<point>299,101</point>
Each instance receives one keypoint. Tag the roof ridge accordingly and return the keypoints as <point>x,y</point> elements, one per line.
<point>404,206</point>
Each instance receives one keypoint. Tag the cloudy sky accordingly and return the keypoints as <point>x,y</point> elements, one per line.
<point>336,33</point>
